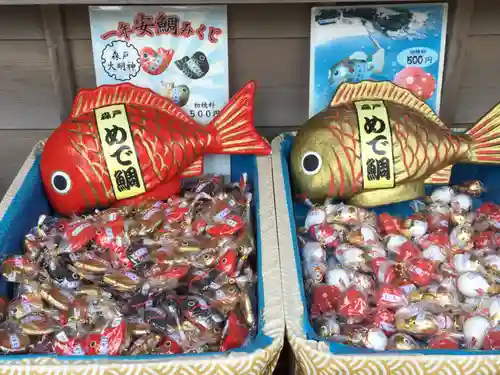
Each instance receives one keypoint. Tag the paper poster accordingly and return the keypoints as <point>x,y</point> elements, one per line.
<point>177,51</point>
<point>402,43</point>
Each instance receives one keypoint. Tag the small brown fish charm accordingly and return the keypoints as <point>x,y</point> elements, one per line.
<point>11,342</point>
<point>90,262</point>
<point>123,281</point>
<point>17,268</point>
<point>59,298</point>
<point>474,188</point>
<point>36,324</point>
<point>144,344</point>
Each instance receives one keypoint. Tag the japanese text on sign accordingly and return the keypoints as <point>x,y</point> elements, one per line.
<point>204,110</point>
<point>120,60</point>
<point>376,144</point>
<point>119,151</point>
<point>163,24</point>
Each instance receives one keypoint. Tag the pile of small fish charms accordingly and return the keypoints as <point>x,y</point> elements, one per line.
<point>430,281</point>
<point>160,278</point>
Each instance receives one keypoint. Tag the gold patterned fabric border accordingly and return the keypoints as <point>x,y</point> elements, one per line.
<point>260,361</point>
<point>311,359</point>
<point>314,357</point>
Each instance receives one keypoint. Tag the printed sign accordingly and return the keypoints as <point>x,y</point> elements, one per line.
<point>402,43</point>
<point>119,151</point>
<point>179,52</point>
<point>376,144</point>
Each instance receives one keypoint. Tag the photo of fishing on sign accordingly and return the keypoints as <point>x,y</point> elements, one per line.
<point>404,44</point>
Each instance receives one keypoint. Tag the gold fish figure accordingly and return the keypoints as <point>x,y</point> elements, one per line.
<point>377,143</point>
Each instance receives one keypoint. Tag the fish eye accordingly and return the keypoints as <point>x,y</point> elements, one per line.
<point>311,162</point>
<point>145,55</point>
<point>61,182</point>
<point>336,73</point>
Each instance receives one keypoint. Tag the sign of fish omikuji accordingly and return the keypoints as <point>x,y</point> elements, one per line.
<point>377,143</point>
<point>124,144</point>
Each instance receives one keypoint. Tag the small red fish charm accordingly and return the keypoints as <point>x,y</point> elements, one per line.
<point>235,333</point>
<point>107,342</point>
<point>227,262</point>
<point>228,226</point>
<point>77,235</point>
<point>324,299</point>
<point>169,346</point>
<point>155,62</point>
<point>125,144</point>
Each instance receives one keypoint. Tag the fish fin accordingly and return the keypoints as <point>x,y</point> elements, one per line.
<point>233,129</point>
<point>486,138</point>
<point>125,93</point>
<point>440,177</point>
<point>388,91</point>
<point>195,169</point>
<point>359,55</point>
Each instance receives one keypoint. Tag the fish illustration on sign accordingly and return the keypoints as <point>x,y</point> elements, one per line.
<point>194,67</point>
<point>358,67</point>
<point>178,94</point>
<point>155,62</point>
<point>377,143</point>
<point>124,144</point>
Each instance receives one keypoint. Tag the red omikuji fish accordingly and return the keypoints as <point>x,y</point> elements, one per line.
<point>155,62</point>
<point>166,143</point>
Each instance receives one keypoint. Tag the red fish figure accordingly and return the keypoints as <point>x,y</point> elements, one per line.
<point>156,62</point>
<point>124,144</point>
<point>227,263</point>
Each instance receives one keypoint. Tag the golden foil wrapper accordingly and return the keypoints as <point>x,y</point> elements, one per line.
<point>402,341</point>
<point>434,297</point>
<point>420,325</point>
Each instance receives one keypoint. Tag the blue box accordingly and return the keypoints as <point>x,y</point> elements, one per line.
<point>321,355</point>
<point>25,201</point>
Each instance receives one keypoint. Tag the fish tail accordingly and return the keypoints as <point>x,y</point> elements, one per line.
<point>233,128</point>
<point>486,137</point>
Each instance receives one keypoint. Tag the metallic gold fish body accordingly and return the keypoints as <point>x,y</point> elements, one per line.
<point>377,143</point>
